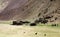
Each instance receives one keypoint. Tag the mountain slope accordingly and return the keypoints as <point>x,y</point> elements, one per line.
<point>31,10</point>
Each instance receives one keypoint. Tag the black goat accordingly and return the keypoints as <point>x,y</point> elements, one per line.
<point>48,17</point>
<point>37,21</point>
<point>44,21</point>
<point>25,22</point>
<point>17,23</point>
<point>14,23</point>
<point>33,24</point>
<point>41,19</point>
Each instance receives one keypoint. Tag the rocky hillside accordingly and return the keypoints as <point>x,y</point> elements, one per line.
<point>31,10</point>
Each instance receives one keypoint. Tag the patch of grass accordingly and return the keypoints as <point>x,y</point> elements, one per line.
<point>49,25</point>
<point>5,22</point>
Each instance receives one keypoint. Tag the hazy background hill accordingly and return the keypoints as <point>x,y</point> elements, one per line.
<point>30,10</point>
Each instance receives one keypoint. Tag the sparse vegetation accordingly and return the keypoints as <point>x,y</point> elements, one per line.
<point>42,14</point>
<point>27,31</point>
<point>54,25</point>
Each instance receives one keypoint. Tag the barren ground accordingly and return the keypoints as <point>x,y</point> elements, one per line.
<point>27,31</point>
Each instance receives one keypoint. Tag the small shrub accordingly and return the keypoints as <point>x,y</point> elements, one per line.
<point>35,33</point>
<point>44,34</point>
<point>54,25</point>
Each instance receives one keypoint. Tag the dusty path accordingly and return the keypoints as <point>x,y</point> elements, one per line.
<point>27,31</point>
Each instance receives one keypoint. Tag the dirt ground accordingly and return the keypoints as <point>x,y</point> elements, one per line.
<point>27,31</point>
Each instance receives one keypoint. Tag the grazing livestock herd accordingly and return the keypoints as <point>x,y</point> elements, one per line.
<point>40,20</point>
<point>20,22</point>
<point>43,20</point>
